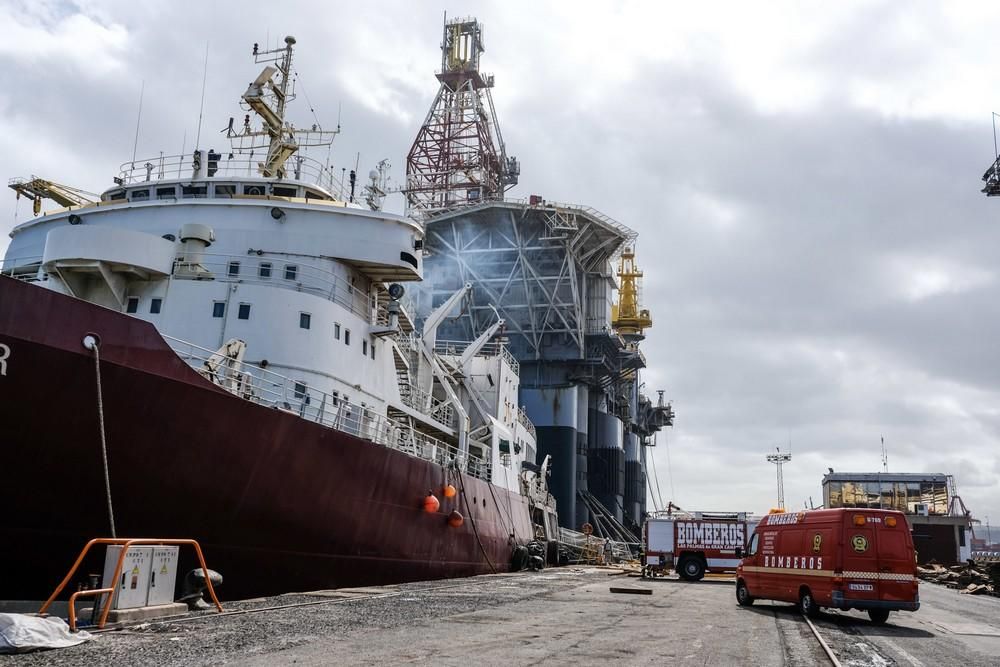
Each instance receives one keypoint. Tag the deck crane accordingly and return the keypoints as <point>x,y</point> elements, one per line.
<point>40,188</point>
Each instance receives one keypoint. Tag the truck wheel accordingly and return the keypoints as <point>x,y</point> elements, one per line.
<point>807,605</point>
<point>743,597</point>
<point>691,568</point>
<point>878,616</point>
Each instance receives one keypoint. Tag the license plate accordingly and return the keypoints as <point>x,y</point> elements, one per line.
<point>860,587</point>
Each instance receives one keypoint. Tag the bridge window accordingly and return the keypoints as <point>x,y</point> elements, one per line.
<point>364,347</point>
<point>265,270</point>
<point>254,190</point>
<point>244,312</point>
<point>300,389</point>
<point>225,190</point>
<point>166,193</point>
<point>372,348</point>
<point>408,258</point>
<point>155,305</point>
<point>305,320</point>
<point>291,272</point>
<point>219,309</point>
<point>347,336</point>
<point>139,195</point>
<point>278,191</point>
<point>234,268</point>
<point>194,191</point>
<point>336,331</point>
<point>132,304</point>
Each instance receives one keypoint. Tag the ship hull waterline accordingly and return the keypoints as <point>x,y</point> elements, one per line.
<point>278,503</point>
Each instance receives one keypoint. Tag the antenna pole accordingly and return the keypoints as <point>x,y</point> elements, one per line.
<point>138,117</point>
<point>996,152</point>
<point>201,109</point>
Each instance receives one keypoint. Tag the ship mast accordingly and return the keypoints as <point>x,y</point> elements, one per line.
<point>267,96</point>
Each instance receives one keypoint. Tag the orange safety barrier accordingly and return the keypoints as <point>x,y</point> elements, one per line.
<point>126,543</point>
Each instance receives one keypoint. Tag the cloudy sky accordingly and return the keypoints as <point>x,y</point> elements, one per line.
<point>804,177</point>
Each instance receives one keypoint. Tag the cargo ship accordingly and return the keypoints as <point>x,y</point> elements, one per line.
<point>219,347</point>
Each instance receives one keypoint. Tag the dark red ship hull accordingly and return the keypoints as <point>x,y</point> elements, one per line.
<point>278,503</point>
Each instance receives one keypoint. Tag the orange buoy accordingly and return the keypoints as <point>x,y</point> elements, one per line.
<point>449,491</point>
<point>455,519</point>
<point>431,503</point>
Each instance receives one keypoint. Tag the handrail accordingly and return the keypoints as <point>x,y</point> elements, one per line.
<point>308,278</point>
<point>267,388</point>
<point>126,543</point>
<point>493,349</point>
<point>229,166</point>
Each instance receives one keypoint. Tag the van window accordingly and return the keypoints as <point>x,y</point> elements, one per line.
<point>752,549</point>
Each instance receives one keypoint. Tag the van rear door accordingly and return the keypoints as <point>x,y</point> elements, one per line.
<point>860,552</point>
<point>897,564</point>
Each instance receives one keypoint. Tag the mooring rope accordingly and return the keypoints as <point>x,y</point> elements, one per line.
<point>104,442</point>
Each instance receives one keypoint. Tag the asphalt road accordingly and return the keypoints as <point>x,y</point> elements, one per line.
<point>563,616</point>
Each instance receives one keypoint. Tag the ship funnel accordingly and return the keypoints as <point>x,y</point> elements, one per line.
<point>196,238</point>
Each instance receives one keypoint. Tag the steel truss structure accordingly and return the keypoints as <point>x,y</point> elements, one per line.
<point>458,156</point>
<point>534,263</point>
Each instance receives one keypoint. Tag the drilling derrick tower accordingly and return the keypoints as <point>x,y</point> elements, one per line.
<point>458,156</point>
<point>627,317</point>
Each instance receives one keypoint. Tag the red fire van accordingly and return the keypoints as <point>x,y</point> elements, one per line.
<point>841,558</point>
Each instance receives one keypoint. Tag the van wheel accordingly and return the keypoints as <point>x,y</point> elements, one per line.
<point>878,616</point>
<point>743,597</point>
<point>691,568</point>
<point>807,605</point>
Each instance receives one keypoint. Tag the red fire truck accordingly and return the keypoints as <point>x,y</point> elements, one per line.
<point>694,543</point>
<point>840,558</point>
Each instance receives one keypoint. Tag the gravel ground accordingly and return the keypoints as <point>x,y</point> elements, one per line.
<point>236,638</point>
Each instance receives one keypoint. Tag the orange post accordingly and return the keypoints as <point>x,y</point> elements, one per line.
<point>72,603</point>
<point>125,543</point>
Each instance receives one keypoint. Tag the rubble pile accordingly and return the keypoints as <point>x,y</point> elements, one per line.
<point>973,578</point>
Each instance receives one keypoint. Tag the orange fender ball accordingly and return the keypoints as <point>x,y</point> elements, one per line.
<point>431,503</point>
<point>455,519</point>
<point>449,491</point>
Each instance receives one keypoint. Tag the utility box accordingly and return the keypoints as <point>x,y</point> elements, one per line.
<point>163,575</point>
<point>132,587</point>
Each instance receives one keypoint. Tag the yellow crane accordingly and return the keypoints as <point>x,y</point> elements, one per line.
<point>39,188</point>
<point>626,316</point>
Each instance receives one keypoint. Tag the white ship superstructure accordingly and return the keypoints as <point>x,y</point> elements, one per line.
<point>260,270</point>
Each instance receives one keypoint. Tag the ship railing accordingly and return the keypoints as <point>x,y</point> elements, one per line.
<point>425,403</point>
<point>522,417</point>
<point>230,165</point>
<point>21,268</point>
<point>494,349</point>
<point>285,274</point>
<point>267,388</point>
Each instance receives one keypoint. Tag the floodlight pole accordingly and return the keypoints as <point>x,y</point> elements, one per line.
<point>779,459</point>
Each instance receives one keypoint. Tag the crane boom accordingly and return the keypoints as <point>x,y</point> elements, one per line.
<point>40,188</point>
